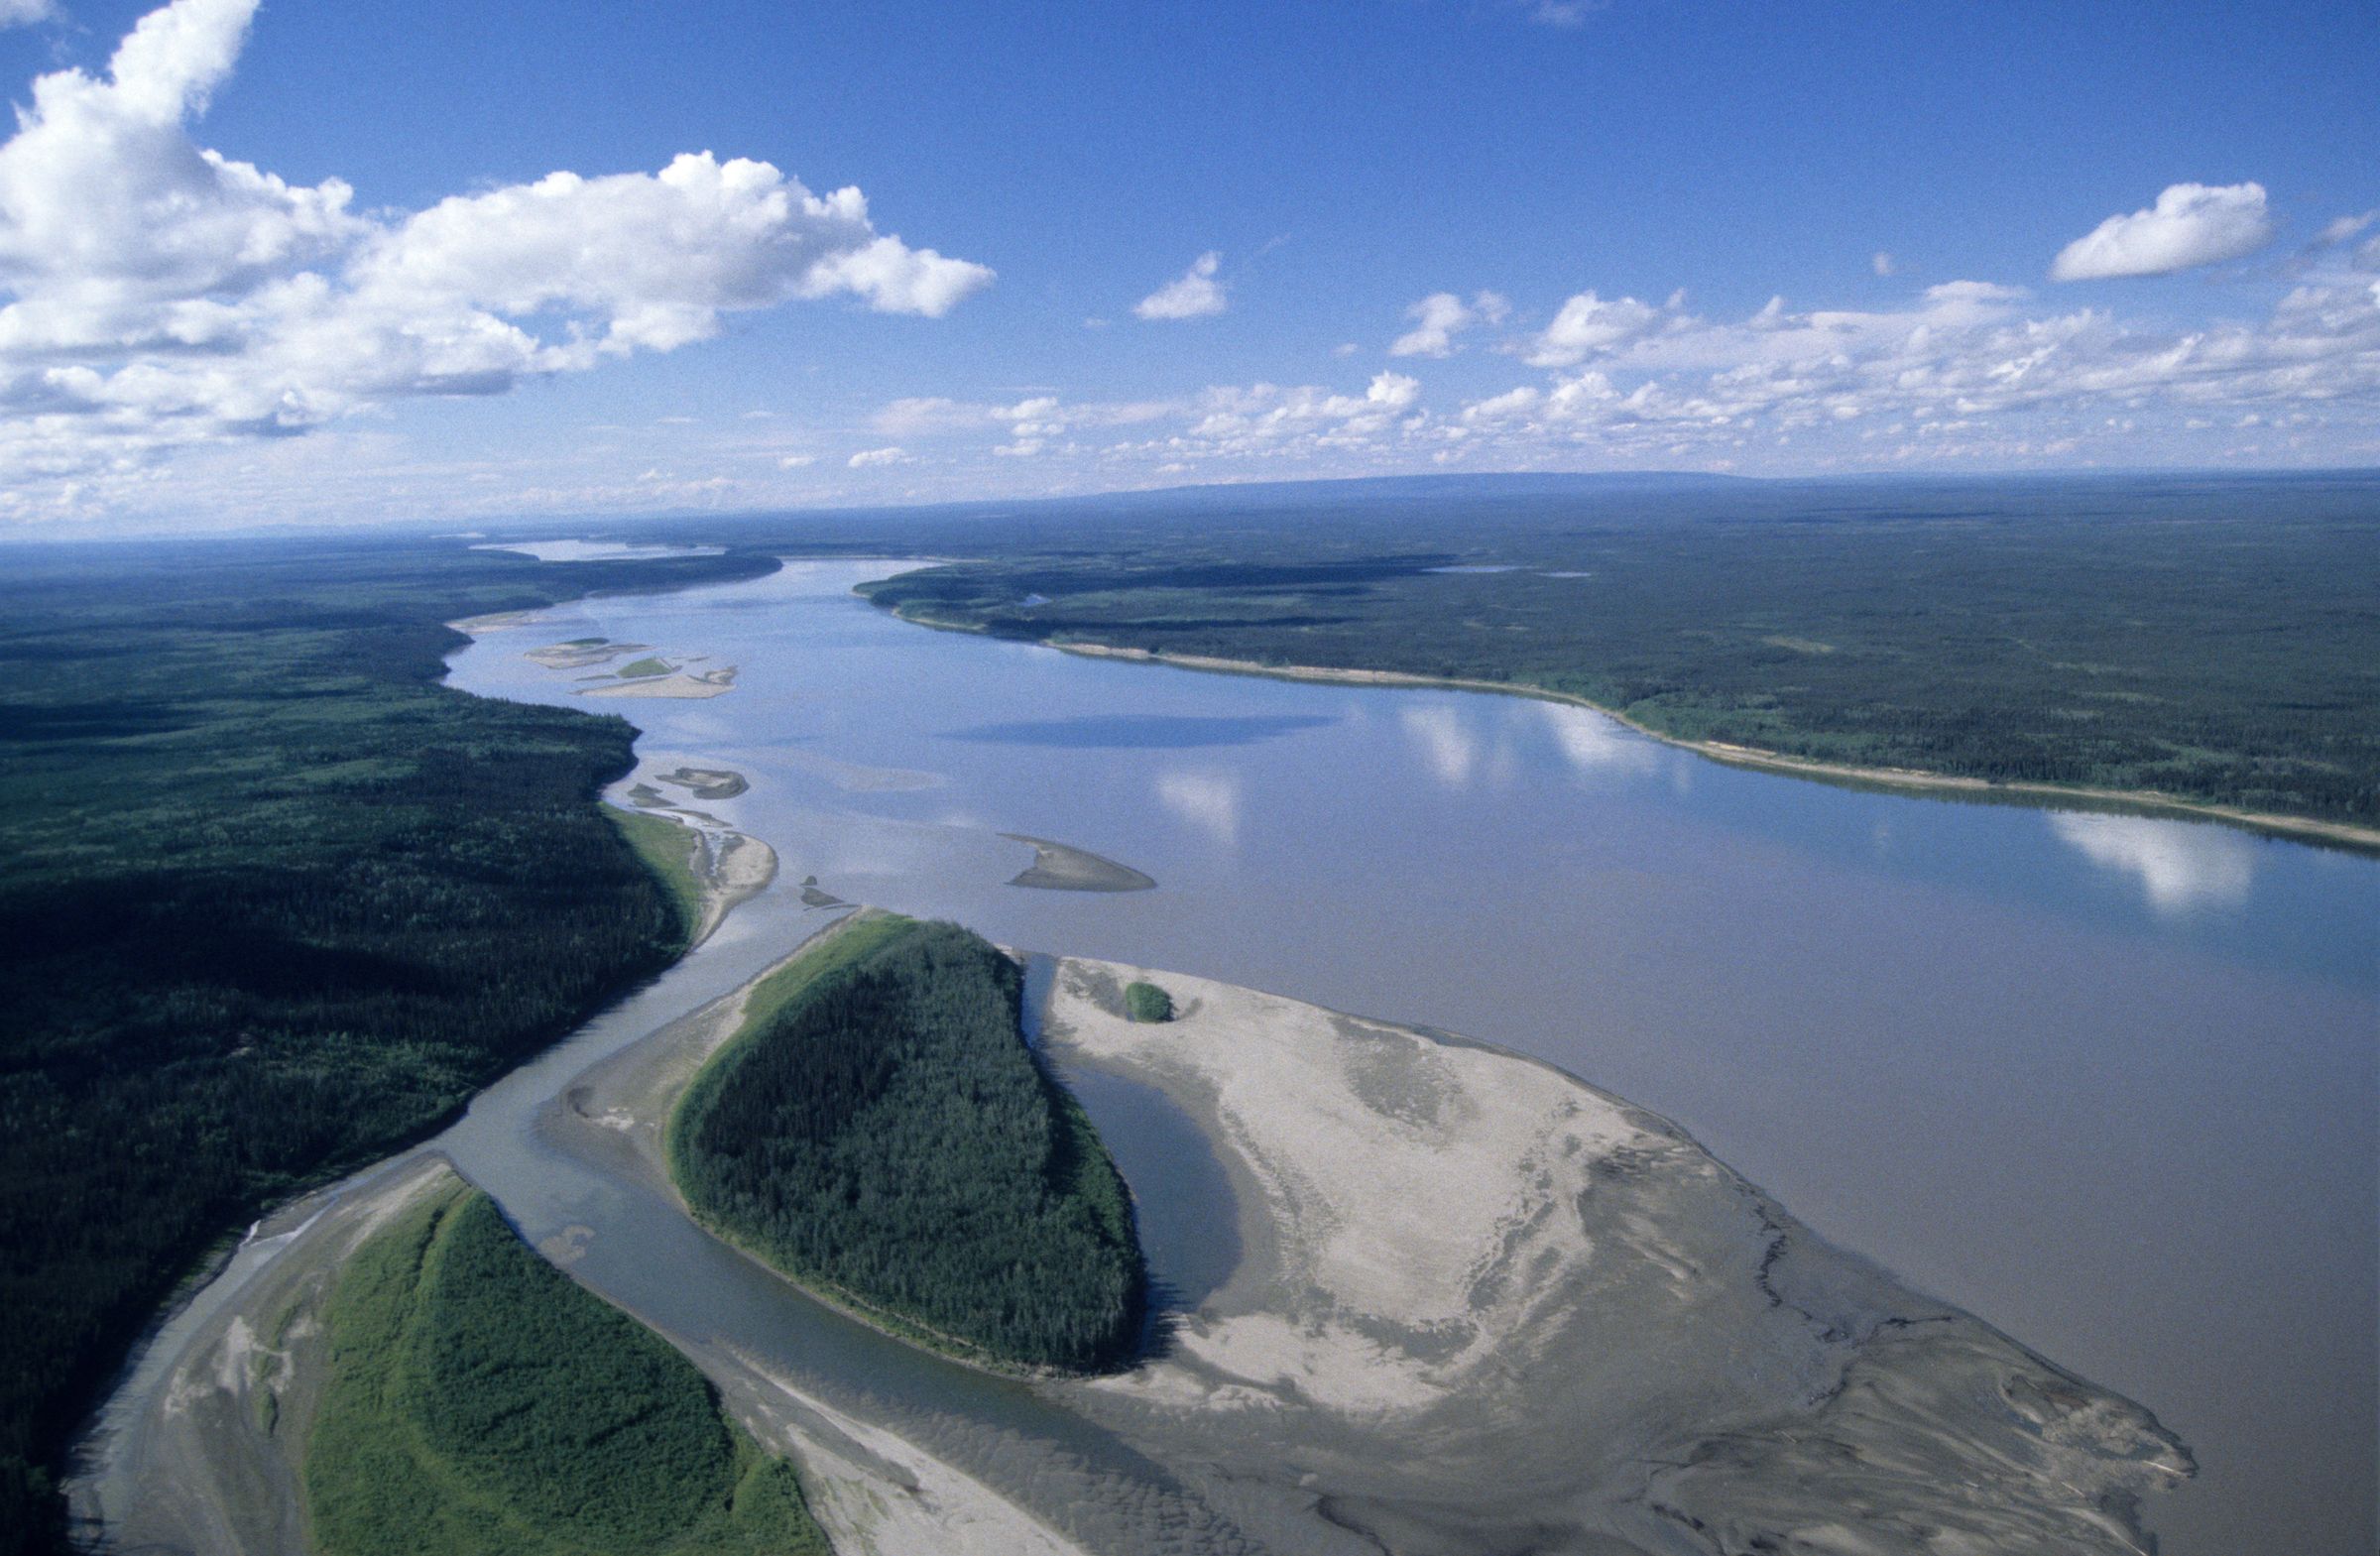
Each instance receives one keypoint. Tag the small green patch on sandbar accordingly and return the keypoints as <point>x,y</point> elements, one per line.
<point>1144,1002</point>
<point>649,666</point>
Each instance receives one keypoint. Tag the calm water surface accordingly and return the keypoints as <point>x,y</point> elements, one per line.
<point>2111,1083</point>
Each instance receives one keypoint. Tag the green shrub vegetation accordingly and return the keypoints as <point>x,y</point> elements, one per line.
<point>480,1404</point>
<point>643,667</point>
<point>667,850</point>
<point>1145,1002</point>
<point>273,902</point>
<point>880,1130</point>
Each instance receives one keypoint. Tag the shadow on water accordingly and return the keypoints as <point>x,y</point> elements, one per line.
<point>1183,1207</point>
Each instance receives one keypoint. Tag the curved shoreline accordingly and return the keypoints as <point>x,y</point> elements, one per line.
<point>634,1095</point>
<point>1731,1367</point>
<point>1900,780</point>
<point>1484,1304</point>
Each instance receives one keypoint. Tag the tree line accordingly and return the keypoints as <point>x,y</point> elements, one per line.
<point>886,1132</point>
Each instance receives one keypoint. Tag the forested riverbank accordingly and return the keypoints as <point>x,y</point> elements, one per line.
<point>274,902</point>
<point>479,1401</point>
<point>2209,639</point>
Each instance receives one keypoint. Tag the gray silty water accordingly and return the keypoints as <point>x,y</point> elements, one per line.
<point>2108,1082</point>
<point>1182,1203</point>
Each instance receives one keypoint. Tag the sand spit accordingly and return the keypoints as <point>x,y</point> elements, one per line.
<point>676,685</point>
<point>877,1494</point>
<point>1483,1307</point>
<point>1057,867</point>
<point>494,621</point>
<point>732,866</point>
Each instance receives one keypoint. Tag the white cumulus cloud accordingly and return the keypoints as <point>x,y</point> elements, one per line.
<point>21,13</point>
<point>162,295</point>
<point>1195,293</point>
<point>1963,370</point>
<point>1588,324</point>
<point>1440,316</point>
<point>871,458</point>
<point>2191,224</point>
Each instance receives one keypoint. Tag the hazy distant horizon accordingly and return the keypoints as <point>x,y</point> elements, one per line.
<point>1551,483</point>
<point>330,265</point>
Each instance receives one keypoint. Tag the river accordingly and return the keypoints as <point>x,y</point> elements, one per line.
<point>2109,1082</point>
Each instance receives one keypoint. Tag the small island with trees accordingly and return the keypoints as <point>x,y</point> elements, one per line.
<point>880,1132</point>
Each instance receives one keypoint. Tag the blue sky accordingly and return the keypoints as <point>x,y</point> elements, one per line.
<point>1467,236</point>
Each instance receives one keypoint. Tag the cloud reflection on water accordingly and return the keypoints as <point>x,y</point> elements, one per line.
<point>1209,801</point>
<point>2181,866</point>
<point>1447,748</point>
<point>1595,742</point>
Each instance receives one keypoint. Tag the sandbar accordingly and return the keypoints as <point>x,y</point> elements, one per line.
<point>580,653</point>
<point>1060,867</point>
<point>1483,1306</point>
<point>677,685</point>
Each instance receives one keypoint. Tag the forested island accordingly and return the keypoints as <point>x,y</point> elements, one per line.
<point>275,902</point>
<point>879,1129</point>
<point>480,1402</point>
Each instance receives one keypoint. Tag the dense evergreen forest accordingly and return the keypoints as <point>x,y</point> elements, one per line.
<point>480,1403</point>
<point>272,902</point>
<point>880,1129</point>
<point>2217,639</point>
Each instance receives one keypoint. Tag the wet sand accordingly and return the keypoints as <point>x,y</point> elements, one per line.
<point>212,1465</point>
<point>678,684</point>
<point>1481,1307</point>
<point>1484,1308</point>
<point>732,866</point>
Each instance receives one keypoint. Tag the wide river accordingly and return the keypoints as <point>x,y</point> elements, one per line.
<point>2111,1083</point>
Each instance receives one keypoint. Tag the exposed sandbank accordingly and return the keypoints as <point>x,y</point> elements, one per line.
<point>1484,1308</point>
<point>1060,867</point>
<point>214,1456</point>
<point>495,621</point>
<point>580,652</point>
<point>731,867</point>
<point>707,782</point>
<point>677,685</point>
<point>1481,1307</point>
